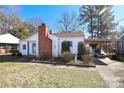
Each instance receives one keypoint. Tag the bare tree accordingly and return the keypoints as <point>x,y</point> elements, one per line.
<point>35,22</point>
<point>9,18</point>
<point>68,22</point>
<point>10,22</point>
<point>32,24</point>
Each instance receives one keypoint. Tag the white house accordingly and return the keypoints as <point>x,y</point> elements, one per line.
<point>58,38</point>
<point>29,46</point>
<point>44,43</point>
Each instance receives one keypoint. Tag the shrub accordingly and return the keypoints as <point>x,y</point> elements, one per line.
<point>65,46</point>
<point>67,56</point>
<point>16,53</point>
<point>19,54</point>
<point>13,54</point>
<point>87,59</point>
<point>115,57</point>
<point>81,49</point>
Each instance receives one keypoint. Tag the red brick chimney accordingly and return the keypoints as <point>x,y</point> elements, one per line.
<point>45,44</point>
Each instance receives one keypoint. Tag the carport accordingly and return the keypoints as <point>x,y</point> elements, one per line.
<point>8,43</point>
<point>108,45</point>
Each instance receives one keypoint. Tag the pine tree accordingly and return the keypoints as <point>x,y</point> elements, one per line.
<point>98,25</point>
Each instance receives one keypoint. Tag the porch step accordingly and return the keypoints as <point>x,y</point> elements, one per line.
<point>106,60</point>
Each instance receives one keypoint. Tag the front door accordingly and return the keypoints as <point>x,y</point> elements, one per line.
<point>32,48</point>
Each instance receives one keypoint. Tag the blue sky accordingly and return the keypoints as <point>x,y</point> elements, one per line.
<point>119,14</point>
<point>48,13</point>
<point>51,13</point>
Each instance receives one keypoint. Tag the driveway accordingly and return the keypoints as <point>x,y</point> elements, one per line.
<point>113,73</point>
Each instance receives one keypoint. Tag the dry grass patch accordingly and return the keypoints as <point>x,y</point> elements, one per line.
<point>39,75</point>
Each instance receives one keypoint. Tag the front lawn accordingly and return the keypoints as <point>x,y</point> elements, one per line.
<point>39,75</point>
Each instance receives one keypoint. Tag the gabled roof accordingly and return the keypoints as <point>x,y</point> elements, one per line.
<point>9,39</point>
<point>29,36</point>
<point>69,34</point>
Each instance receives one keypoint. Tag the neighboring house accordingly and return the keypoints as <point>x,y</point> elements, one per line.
<point>120,44</point>
<point>44,43</point>
<point>8,42</point>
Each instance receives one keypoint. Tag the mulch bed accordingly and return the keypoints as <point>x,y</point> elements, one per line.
<point>64,64</point>
<point>55,62</point>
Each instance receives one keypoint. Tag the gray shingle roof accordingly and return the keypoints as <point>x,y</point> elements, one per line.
<point>69,34</point>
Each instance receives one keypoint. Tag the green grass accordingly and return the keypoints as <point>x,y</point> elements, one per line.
<point>40,75</point>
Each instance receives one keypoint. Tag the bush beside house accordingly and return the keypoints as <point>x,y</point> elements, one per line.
<point>16,53</point>
<point>66,55</point>
<point>87,58</point>
<point>82,53</point>
<point>65,46</point>
<point>81,49</point>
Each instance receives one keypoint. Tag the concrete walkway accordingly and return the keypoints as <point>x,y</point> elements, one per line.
<point>113,73</point>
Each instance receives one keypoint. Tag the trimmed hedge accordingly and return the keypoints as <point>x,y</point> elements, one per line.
<point>81,49</point>
<point>66,57</point>
<point>65,46</point>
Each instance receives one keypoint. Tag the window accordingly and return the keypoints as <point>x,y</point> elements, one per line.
<point>24,47</point>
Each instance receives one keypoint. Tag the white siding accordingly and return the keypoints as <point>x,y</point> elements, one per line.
<point>54,45</point>
<point>33,38</point>
<point>74,40</point>
<point>57,42</point>
<point>23,51</point>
